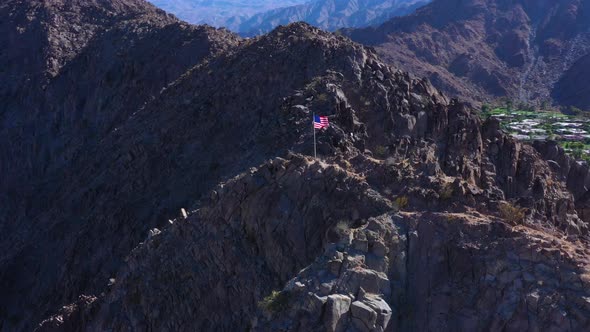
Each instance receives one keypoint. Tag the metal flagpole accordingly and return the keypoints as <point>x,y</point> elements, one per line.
<point>313,127</point>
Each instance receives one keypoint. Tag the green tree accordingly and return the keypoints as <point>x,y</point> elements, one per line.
<point>575,111</point>
<point>509,105</point>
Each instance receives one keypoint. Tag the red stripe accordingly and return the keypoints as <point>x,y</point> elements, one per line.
<point>324,123</point>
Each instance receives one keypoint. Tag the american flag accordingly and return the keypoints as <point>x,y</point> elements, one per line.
<point>320,122</point>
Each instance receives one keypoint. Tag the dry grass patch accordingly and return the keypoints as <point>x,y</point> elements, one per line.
<point>511,213</point>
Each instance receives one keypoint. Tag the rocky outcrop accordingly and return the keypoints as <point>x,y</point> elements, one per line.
<point>414,272</point>
<point>336,262</point>
<point>231,236</point>
<point>575,174</point>
<point>479,50</point>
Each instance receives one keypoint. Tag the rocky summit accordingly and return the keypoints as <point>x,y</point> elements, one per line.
<point>160,176</point>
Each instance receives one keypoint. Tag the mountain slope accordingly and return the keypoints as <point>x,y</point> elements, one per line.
<point>326,14</point>
<point>573,88</point>
<point>482,50</point>
<point>85,68</point>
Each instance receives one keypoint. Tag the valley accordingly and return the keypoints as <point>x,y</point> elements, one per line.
<point>572,132</point>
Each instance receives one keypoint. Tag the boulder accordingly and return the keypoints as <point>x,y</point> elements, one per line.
<point>364,317</point>
<point>337,309</point>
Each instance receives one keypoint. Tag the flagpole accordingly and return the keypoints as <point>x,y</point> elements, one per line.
<point>313,127</point>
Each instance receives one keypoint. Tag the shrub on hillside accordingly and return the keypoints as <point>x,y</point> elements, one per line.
<point>380,151</point>
<point>446,192</point>
<point>511,213</point>
<point>275,302</point>
<point>401,202</point>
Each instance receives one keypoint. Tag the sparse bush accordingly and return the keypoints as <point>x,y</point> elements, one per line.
<point>512,214</point>
<point>322,98</point>
<point>575,111</point>
<point>446,192</point>
<point>341,230</point>
<point>401,202</point>
<point>275,302</point>
<point>381,151</point>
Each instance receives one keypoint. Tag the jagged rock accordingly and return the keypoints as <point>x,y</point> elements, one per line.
<point>153,232</point>
<point>363,316</point>
<point>337,308</point>
<point>381,308</point>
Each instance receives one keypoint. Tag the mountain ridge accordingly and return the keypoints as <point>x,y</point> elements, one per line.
<point>326,14</point>
<point>82,93</point>
<point>218,14</point>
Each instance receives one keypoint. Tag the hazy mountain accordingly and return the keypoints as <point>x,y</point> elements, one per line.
<point>217,13</point>
<point>532,51</point>
<point>159,176</point>
<point>327,14</point>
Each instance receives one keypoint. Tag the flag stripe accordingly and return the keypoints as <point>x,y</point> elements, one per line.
<point>320,122</point>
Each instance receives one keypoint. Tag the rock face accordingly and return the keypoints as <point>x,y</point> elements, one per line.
<point>482,50</point>
<point>575,174</point>
<point>200,208</point>
<point>441,272</point>
<point>572,88</point>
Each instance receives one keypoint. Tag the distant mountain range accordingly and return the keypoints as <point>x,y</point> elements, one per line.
<point>481,50</point>
<point>257,17</point>
<point>327,14</point>
<point>217,13</point>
